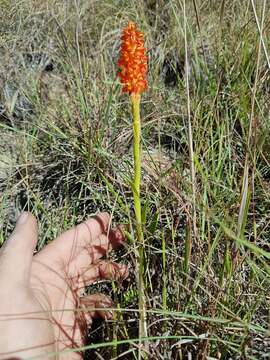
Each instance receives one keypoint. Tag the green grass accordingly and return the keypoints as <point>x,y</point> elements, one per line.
<point>70,156</point>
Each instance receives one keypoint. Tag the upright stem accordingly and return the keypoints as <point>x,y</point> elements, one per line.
<point>190,136</point>
<point>135,104</point>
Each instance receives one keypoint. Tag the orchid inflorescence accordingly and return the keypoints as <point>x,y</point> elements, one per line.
<point>133,60</point>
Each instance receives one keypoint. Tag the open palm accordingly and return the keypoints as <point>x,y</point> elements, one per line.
<point>43,307</point>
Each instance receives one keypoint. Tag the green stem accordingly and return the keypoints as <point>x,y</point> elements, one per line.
<point>135,104</point>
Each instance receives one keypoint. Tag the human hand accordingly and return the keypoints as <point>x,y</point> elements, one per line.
<point>41,295</point>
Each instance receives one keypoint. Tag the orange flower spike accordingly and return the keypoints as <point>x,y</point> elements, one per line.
<point>133,60</point>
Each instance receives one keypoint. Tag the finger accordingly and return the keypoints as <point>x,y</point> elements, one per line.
<point>116,236</point>
<point>92,253</point>
<point>69,326</point>
<point>103,270</point>
<point>83,236</point>
<point>98,306</point>
<point>74,331</point>
<point>17,253</point>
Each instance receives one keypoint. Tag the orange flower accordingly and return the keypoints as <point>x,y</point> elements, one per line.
<point>133,60</point>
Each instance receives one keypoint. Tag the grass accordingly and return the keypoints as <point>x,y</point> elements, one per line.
<point>67,154</point>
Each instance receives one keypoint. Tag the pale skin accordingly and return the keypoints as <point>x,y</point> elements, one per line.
<point>39,293</point>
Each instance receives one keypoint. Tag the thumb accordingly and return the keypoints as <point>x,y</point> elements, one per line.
<point>17,253</point>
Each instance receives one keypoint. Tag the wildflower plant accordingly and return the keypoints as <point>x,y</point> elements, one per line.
<point>133,70</point>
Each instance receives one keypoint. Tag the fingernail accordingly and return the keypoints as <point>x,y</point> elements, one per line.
<point>23,218</point>
<point>105,304</point>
